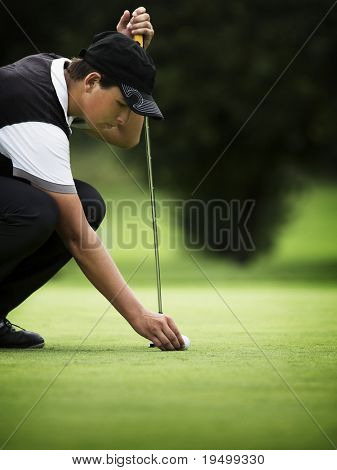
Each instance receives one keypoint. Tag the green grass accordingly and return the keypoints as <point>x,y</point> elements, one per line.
<point>115,393</point>
<point>260,373</point>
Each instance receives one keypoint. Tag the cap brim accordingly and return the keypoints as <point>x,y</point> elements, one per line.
<point>140,102</point>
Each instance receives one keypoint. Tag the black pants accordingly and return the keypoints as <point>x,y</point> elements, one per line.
<point>31,252</point>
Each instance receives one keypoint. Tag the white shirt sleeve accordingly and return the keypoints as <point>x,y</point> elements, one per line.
<point>40,153</point>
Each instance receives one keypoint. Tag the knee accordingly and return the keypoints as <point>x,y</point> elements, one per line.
<point>92,203</point>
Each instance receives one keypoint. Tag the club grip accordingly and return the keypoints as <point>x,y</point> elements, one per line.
<point>139,38</point>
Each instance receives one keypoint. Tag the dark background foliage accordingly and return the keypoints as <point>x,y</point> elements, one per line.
<point>216,62</point>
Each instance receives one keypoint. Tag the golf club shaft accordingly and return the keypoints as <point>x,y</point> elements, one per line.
<point>139,39</point>
<point>154,212</point>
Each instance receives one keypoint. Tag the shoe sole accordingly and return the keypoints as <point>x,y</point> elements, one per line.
<point>36,346</point>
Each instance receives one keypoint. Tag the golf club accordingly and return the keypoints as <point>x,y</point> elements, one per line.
<point>139,39</point>
<point>154,213</point>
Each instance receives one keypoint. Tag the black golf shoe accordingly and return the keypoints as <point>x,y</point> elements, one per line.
<point>13,339</point>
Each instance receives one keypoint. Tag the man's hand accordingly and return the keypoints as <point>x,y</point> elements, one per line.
<point>137,23</point>
<point>160,329</point>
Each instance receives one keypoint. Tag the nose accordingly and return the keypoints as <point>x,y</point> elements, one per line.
<point>123,116</point>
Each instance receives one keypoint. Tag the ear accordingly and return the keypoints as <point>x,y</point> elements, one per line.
<point>91,81</point>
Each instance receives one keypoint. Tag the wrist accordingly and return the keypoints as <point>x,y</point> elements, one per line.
<point>134,313</point>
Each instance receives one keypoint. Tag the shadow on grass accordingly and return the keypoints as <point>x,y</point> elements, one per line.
<point>69,349</point>
<point>99,349</point>
<point>313,271</point>
<point>175,273</point>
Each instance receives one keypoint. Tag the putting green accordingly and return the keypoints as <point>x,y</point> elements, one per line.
<point>260,373</point>
<point>112,392</point>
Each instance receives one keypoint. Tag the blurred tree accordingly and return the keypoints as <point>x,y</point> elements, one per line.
<point>216,61</point>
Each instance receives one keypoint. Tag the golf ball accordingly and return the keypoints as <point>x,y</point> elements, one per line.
<point>186,341</point>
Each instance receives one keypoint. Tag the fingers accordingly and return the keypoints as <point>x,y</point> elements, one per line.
<point>156,342</point>
<point>160,329</point>
<point>168,335</point>
<point>139,11</point>
<point>142,30</point>
<point>162,343</point>
<point>139,18</point>
<point>124,19</point>
<point>172,336</point>
<point>137,23</point>
<point>140,23</point>
<point>165,343</point>
<point>175,330</point>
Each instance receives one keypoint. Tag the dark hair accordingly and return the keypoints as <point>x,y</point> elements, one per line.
<point>79,69</point>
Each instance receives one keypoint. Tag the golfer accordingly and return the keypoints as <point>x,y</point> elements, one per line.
<point>46,216</point>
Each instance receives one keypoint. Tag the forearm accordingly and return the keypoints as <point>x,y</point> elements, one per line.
<point>98,266</point>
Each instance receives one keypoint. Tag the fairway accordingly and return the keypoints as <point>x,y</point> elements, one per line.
<point>112,392</point>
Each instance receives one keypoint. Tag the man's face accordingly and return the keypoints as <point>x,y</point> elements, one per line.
<point>103,108</point>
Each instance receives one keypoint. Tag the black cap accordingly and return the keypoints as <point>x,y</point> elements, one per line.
<point>122,59</point>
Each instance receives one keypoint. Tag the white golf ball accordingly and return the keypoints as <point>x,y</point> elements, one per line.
<point>186,341</point>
